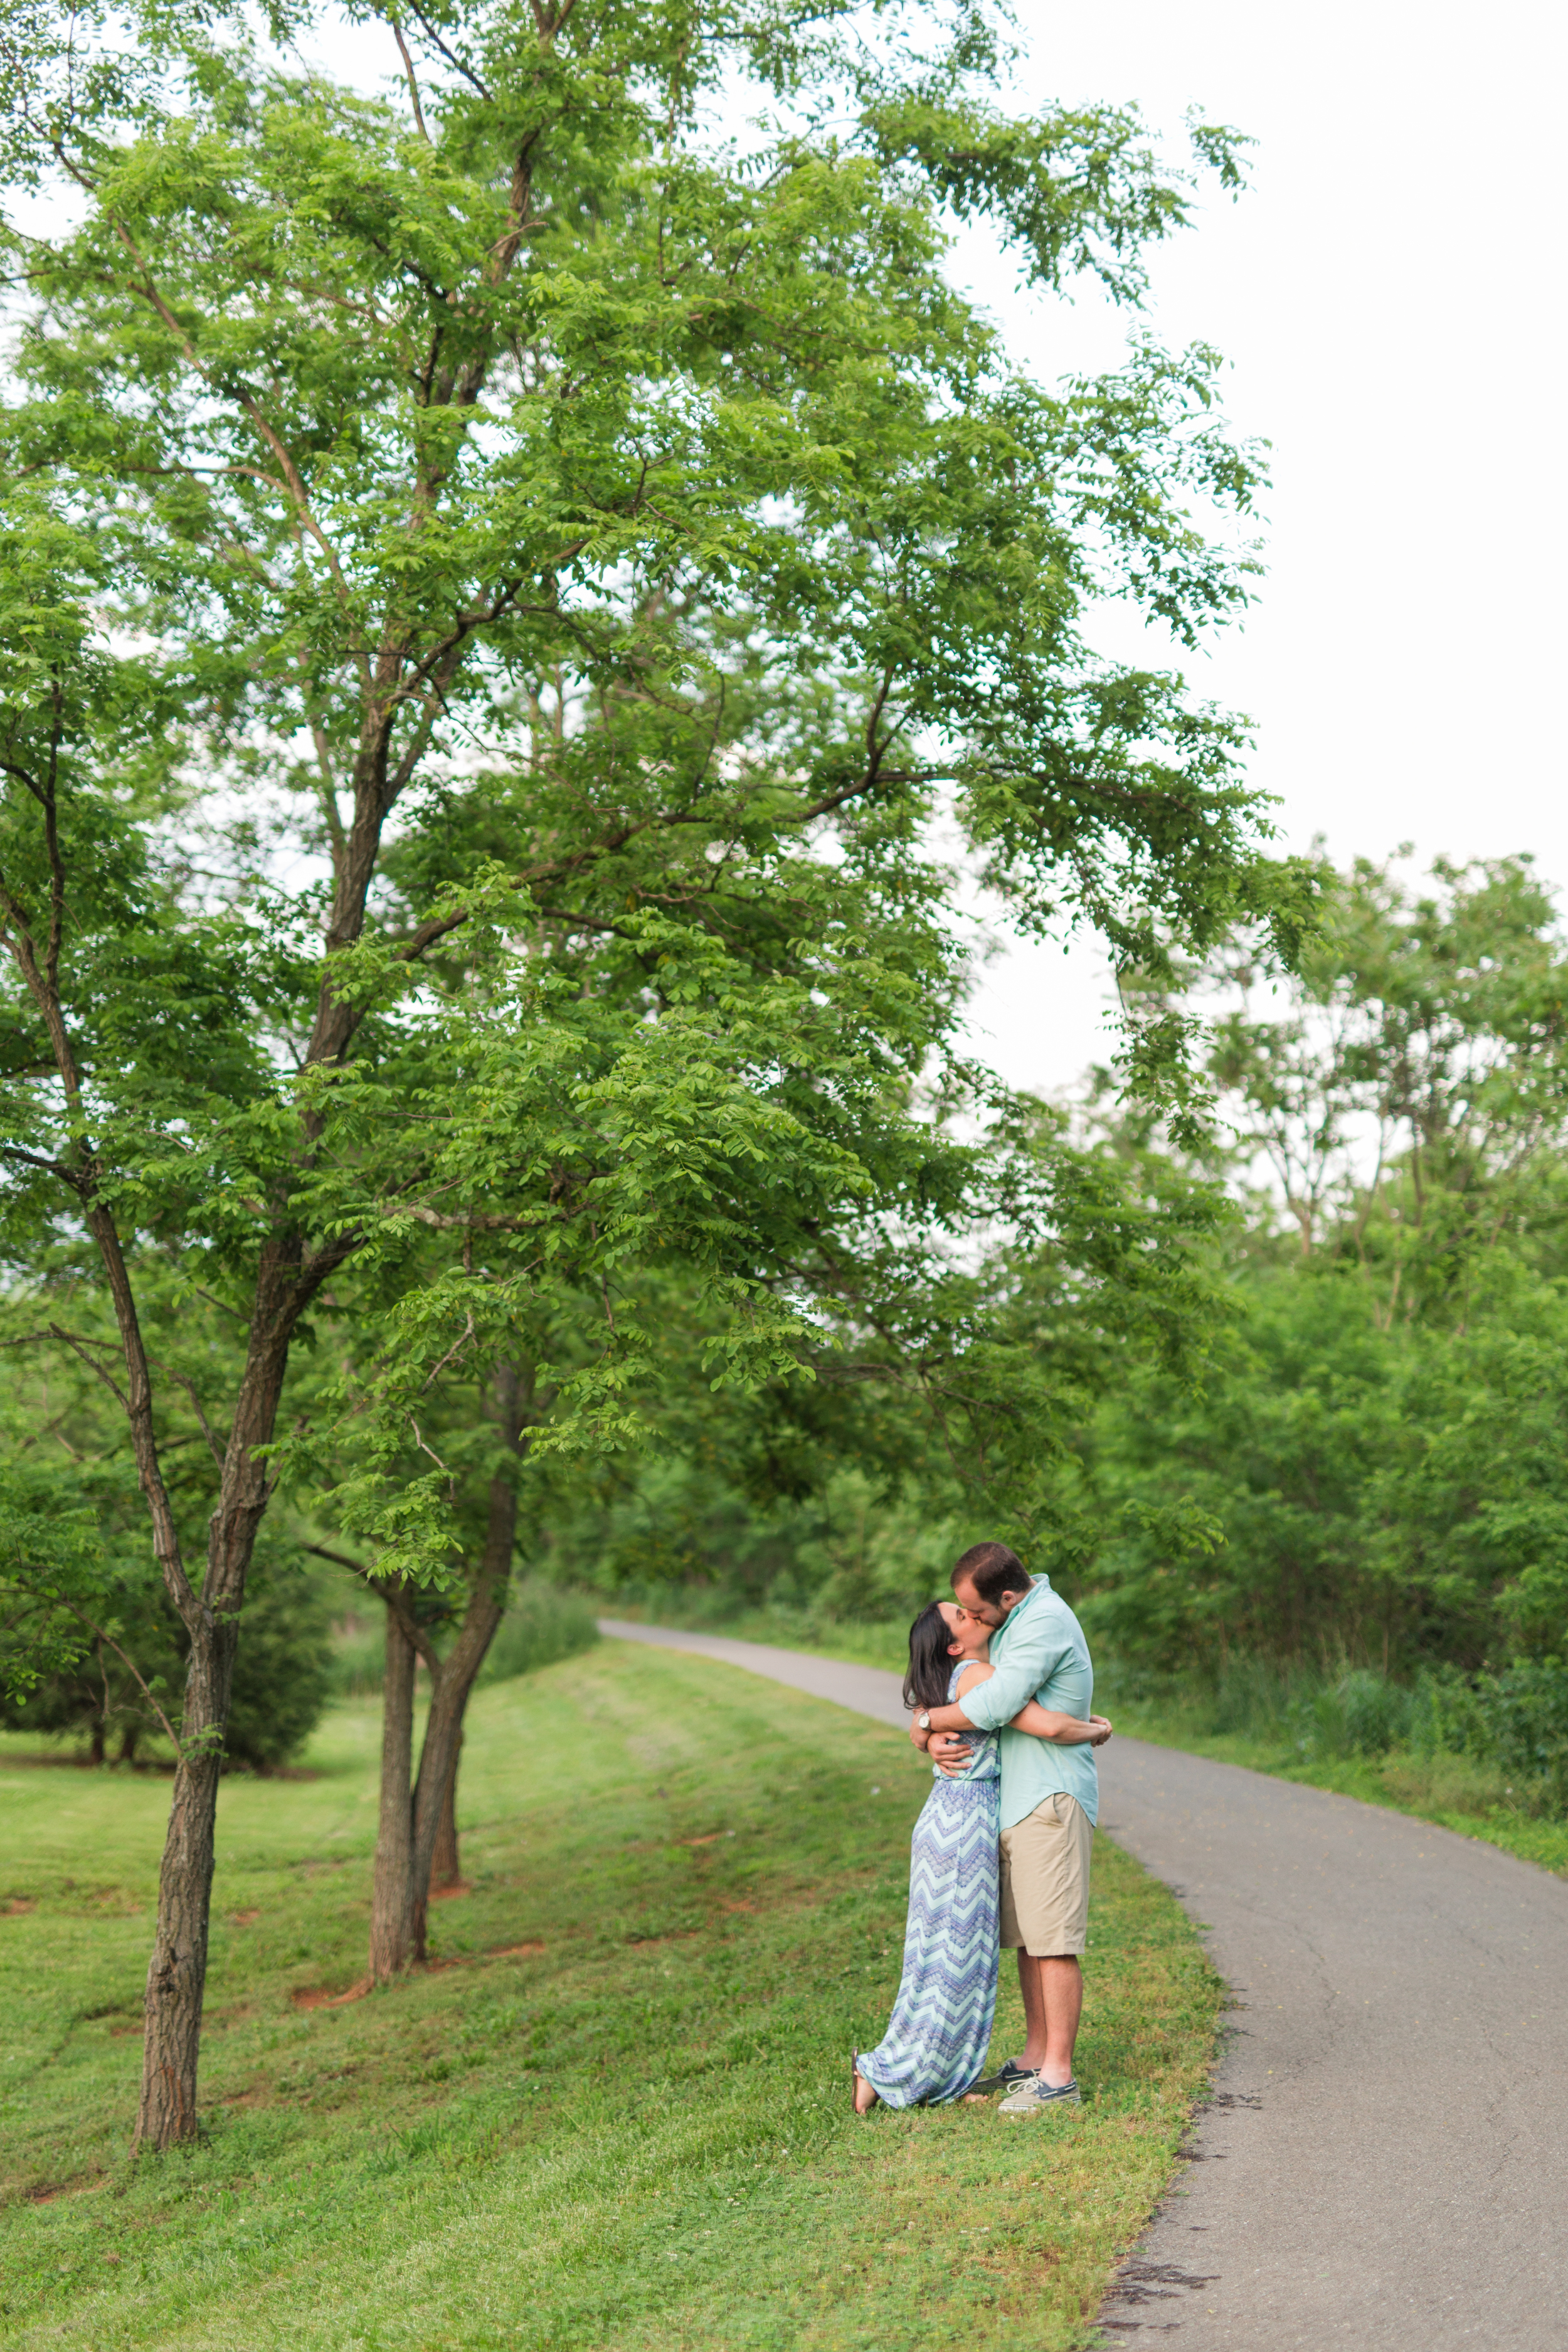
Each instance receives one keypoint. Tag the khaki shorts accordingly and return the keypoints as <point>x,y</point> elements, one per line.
<point>1044,1878</point>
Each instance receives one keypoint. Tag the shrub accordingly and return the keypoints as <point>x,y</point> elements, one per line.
<point>1530,1713</point>
<point>1514,1722</point>
<point>282,1676</point>
<point>282,1672</point>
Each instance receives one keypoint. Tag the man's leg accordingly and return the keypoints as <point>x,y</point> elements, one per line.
<point>1033,1992</point>
<point>1061,1996</point>
<point>1053,2003</point>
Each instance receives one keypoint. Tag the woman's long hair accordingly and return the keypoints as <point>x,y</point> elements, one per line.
<point>925,1685</point>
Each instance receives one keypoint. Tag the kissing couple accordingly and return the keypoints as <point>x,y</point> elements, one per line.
<point>1002,1684</point>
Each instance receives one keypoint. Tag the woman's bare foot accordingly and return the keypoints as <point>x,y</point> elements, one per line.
<point>865,2096</point>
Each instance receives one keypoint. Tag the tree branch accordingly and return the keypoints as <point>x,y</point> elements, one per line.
<point>396,1599</point>
<point>413,85</point>
<point>80,1347</point>
<point>99,1635</point>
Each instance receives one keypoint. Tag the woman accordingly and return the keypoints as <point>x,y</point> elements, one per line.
<point>940,2031</point>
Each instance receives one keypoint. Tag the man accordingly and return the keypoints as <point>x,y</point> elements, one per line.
<point>1050,1794</point>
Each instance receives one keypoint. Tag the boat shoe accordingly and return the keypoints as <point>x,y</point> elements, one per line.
<point>1032,2098</point>
<point>1005,2078</point>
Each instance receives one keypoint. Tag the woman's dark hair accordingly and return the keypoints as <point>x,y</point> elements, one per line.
<point>926,1683</point>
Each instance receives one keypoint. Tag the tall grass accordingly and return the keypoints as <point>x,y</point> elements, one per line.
<point>1498,1737</point>
<point>542,1624</point>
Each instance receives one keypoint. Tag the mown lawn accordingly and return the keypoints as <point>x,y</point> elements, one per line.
<point>618,2115</point>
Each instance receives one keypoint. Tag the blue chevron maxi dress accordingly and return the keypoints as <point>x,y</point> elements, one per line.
<point>940,2031</point>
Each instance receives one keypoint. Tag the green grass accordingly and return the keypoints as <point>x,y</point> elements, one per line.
<point>635,2137</point>
<point>878,1643</point>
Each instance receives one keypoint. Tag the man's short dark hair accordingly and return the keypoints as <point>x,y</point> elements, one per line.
<point>993,1570</point>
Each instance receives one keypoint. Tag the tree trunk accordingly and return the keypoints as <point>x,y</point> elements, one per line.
<point>411,1824</point>
<point>176,1974</point>
<point>436,1791</point>
<point>446,1867</point>
<point>390,1913</point>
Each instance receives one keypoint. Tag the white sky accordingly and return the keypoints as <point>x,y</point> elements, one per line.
<point>1390,294</point>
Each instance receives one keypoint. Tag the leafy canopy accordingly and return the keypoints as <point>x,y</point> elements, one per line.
<point>501,580</point>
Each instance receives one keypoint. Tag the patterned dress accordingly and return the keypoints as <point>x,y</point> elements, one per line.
<point>940,2031</point>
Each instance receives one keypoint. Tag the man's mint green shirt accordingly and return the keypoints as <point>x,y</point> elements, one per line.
<point>1038,1652</point>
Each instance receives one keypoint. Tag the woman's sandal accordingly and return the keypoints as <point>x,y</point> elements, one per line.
<point>858,2079</point>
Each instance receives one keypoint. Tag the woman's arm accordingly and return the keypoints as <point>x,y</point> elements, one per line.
<point>1066,1730</point>
<point>955,1753</point>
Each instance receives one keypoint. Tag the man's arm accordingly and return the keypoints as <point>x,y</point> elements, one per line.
<point>952,1753</point>
<point>1033,1656</point>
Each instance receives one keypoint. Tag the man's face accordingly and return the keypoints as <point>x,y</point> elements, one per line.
<point>965,1595</point>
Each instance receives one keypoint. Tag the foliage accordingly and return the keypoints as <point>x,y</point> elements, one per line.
<point>282,1675</point>
<point>655,532</point>
<point>675,1529</point>
<point>1382,1440</point>
<point>92,1641</point>
<point>944,1396</point>
<point>1412,1098</point>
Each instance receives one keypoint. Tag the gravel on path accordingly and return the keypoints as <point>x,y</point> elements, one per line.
<point>1384,2164</point>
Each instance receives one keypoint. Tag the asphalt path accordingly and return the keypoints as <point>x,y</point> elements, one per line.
<point>1384,2164</point>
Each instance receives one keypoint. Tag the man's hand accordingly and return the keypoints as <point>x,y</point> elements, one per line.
<point>919,1737</point>
<point>949,1752</point>
<point>1102,1730</point>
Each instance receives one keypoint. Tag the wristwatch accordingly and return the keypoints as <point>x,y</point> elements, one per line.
<point>923,1719</point>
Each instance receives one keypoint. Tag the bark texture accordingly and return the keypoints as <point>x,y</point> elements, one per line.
<point>446,1863</point>
<point>176,1974</point>
<point>392,1890</point>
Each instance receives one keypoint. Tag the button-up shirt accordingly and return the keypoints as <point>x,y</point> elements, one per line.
<point>1038,1652</point>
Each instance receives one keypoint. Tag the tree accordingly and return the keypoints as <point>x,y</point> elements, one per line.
<point>1380,1441</point>
<point>497,582</point>
<point>416,1843</point>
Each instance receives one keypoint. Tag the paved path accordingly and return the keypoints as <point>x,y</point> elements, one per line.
<point>1386,2164</point>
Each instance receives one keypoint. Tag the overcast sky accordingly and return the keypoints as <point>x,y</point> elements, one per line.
<point>1390,296</point>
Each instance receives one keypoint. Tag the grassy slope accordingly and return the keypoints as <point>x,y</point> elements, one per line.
<point>636,2137</point>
